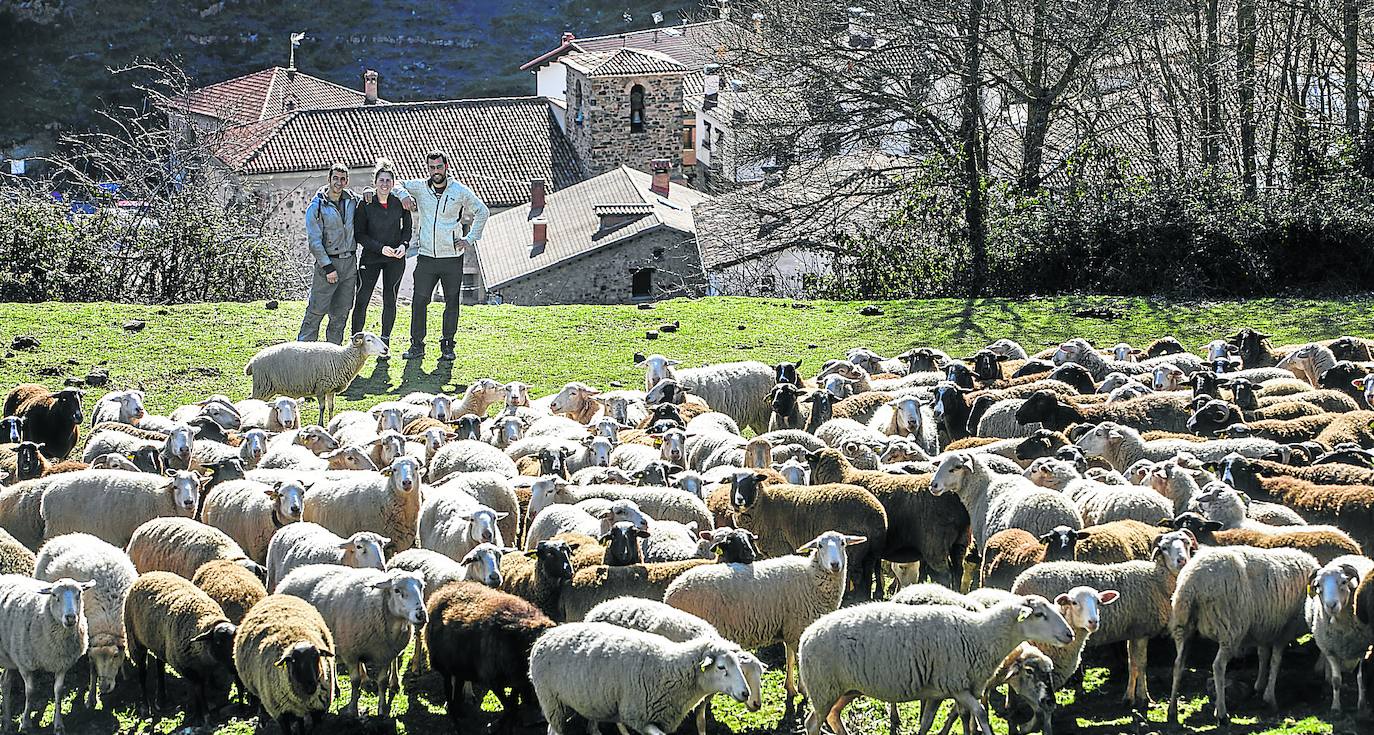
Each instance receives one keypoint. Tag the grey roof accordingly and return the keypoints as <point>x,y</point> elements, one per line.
<point>495,145</point>
<point>506,252</point>
<point>623,62</point>
<point>689,44</point>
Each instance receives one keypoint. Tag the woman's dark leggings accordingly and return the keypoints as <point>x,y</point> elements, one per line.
<point>390,273</point>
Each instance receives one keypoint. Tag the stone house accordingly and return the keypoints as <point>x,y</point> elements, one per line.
<point>620,237</point>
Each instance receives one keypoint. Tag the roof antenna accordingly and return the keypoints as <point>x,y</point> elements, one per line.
<point>296,39</point>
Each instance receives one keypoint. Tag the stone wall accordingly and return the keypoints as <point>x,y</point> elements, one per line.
<point>607,276</point>
<point>603,139</point>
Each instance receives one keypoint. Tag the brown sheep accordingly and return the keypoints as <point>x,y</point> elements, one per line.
<point>50,419</point>
<point>1324,544</point>
<point>1349,507</point>
<point>228,583</point>
<point>1355,426</point>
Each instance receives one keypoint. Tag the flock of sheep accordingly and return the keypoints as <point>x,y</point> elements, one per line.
<point>614,556</point>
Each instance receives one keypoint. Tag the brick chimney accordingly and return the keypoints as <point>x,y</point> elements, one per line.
<point>541,233</point>
<point>370,87</point>
<point>660,168</point>
<point>710,85</point>
<point>567,38</point>
<point>536,195</point>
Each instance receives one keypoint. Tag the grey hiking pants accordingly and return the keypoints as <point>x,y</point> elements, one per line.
<point>332,299</point>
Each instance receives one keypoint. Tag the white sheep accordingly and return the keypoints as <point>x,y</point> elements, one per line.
<point>736,389</point>
<point>490,489</point>
<point>907,416</point>
<point>1330,612</point>
<point>1232,509</point>
<point>663,503</point>
<point>561,518</point>
<point>280,414</point>
<point>454,523</point>
<point>83,556</point>
<point>771,600</point>
<point>305,543</point>
<point>387,502</point>
<point>1308,362</point>
<point>896,653</point>
<point>251,512</point>
<point>175,448</point>
<point>122,406</point>
<point>1121,446</point>
<point>318,369</point>
<point>42,629</point>
<point>998,502</point>
<point>1239,596</point>
<point>370,613</point>
<point>110,504</point>
<point>251,449</point>
<point>469,455</point>
<point>673,541</point>
<point>642,681</point>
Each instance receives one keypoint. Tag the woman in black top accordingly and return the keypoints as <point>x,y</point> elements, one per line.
<point>382,227</point>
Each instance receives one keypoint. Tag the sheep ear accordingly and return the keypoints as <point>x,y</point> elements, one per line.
<point>706,663</point>
<point>1109,596</point>
<point>1023,614</point>
<point>852,540</point>
<point>1312,583</point>
<point>1063,600</point>
<point>286,658</point>
<point>501,515</point>
<point>532,554</point>
<point>204,635</point>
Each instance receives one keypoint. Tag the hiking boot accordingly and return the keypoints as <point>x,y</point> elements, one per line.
<point>416,351</point>
<point>446,350</point>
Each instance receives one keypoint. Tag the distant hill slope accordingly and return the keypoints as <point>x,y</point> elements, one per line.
<point>56,58</point>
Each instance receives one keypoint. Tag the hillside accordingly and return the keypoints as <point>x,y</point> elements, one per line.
<point>57,55</point>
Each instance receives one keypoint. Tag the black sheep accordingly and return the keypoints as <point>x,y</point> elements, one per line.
<point>50,419</point>
<point>484,636</point>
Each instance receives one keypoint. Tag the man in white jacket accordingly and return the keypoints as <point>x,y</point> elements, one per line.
<point>440,203</point>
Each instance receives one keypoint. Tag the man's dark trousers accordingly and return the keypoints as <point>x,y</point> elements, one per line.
<point>428,272</point>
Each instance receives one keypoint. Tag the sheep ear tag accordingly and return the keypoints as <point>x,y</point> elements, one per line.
<point>1025,613</point>
<point>706,663</point>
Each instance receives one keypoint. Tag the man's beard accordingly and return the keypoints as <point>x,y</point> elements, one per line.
<point>437,178</point>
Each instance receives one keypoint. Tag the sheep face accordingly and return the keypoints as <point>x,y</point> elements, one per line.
<point>1365,386</point>
<point>1168,377</point>
<point>1071,351</point>
<point>656,473</point>
<point>573,400</point>
<point>1060,543</point>
<point>1101,439</point>
<point>349,458</point>
<point>178,446</point>
<point>405,596</point>
<point>622,544</point>
<point>483,564</point>
<point>865,358</point>
<point>597,450</point>
<point>690,482</point>
<point>1112,382</point>
<point>922,360</point>
<point>783,399</point>
<point>608,427</point>
<point>184,487</point>
<point>252,445</point>
<point>732,545</point>
<point>64,600</point>
<point>617,409</point>
<point>754,670</point>
<point>672,446</point>
<point>622,511</point>
<point>316,439</point>
<point>390,419</point>
<point>1124,352</point>
<point>1008,347</point>
<point>513,393</point>
<point>665,392</point>
<point>744,489</point>
<point>388,446</point>
<point>11,430</point>
<point>468,426</point>
<point>288,500</point>
<point>370,344</point>
<point>434,438</point>
<point>1177,547</point>
<point>1213,417</point>
<point>441,408</point>
<point>1074,456</point>
<point>1219,348</point>
<point>1082,607</point>
<point>1041,621</point>
<point>1250,345</point>
<point>1075,375</point>
<point>829,550</point>
<point>985,365</point>
<point>793,471</point>
<point>1041,443</point>
<point>838,386</point>
<point>28,460</point>
<point>1027,670</point>
<point>656,369</point>
<point>949,398</point>
<point>720,672</point>
<point>788,373</point>
<point>1208,384</point>
<point>553,560</point>
<point>287,412</point>
<point>482,528</point>
<point>304,664</point>
<point>959,374</point>
<point>403,474</point>
<point>219,640</point>
<point>1051,473</point>
<point>543,493</point>
<point>130,405</point>
<point>363,550</point>
<point>907,413</point>
<point>953,471</point>
<point>1334,586</point>
<point>114,461</point>
<point>67,404</point>
<point>107,655</point>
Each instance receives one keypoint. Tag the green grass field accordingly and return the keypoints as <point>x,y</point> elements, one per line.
<point>186,352</point>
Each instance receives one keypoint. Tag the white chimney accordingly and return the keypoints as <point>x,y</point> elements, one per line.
<point>724,9</point>
<point>370,87</point>
<point>710,85</point>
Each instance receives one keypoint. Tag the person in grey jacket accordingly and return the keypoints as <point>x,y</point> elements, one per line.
<point>329,231</point>
<point>440,203</point>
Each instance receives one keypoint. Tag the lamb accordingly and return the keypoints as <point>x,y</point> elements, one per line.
<point>370,613</point>
<point>305,543</point>
<point>736,389</point>
<point>235,589</point>
<point>251,512</point>
<point>110,504</point>
<point>1330,613</point>
<point>469,456</point>
<point>318,369</point>
<point>279,653</point>
<point>387,503</point>
<point>122,406</point>
<point>1121,446</point>
<point>640,680</point>
<point>785,517</point>
<point>167,616</point>
<point>45,630</point>
<point>998,502</point>
<point>82,556</point>
<point>872,650</point>
<point>466,617</point>
<point>50,419</point>
<point>1239,596</point>
<point>454,523</point>
<point>539,575</point>
<point>1148,587</point>
<point>771,600</point>
<point>182,545</point>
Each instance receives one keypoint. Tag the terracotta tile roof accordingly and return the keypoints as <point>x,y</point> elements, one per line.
<point>505,253</point>
<point>495,145</point>
<point>622,62</point>
<point>266,93</point>
<point>689,44</point>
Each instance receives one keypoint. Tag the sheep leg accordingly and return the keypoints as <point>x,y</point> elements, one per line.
<point>1263,674</point>
<point>1180,644</point>
<point>894,719</point>
<point>1219,682</point>
<point>970,702</point>
<point>834,719</point>
<point>58,689</point>
<point>1137,688</point>
<point>89,694</point>
<point>813,720</point>
<point>1334,676</point>
<point>30,689</point>
<point>929,708</point>
<point>651,729</point>
<point>701,718</point>
<point>356,676</point>
<point>1361,702</point>
<point>161,684</point>
<point>788,682</point>
<point>1276,659</point>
